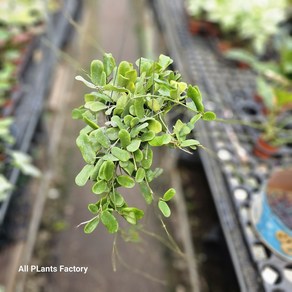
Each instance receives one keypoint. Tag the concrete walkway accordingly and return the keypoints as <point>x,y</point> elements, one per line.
<point>143,267</point>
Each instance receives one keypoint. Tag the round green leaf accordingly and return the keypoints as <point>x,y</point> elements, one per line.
<point>125,137</point>
<point>109,221</point>
<point>99,187</point>
<point>160,140</point>
<point>209,116</point>
<point>147,136</point>
<point>91,225</point>
<point>121,154</point>
<point>126,181</point>
<point>134,146</point>
<point>169,194</point>
<point>155,126</point>
<point>84,175</point>
<point>117,199</point>
<point>164,208</point>
<point>140,175</point>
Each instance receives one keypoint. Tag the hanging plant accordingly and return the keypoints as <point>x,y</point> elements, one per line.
<point>125,117</point>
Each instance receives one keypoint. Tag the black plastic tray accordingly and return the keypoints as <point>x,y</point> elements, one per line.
<point>35,83</point>
<point>228,91</point>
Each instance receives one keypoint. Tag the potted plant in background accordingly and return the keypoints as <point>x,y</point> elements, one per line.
<point>249,24</point>
<point>274,93</point>
<point>125,116</point>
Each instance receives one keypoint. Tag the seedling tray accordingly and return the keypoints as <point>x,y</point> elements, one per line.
<point>235,175</point>
<point>35,82</point>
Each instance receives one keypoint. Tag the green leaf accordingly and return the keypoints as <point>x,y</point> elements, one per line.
<point>126,181</point>
<point>147,136</point>
<point>209,116</point>
<point>146,192</point>
<point>128,166</point>
<point>139,107</point>
<point>95,106</point>
<point>97,74</point>
<point>109,63</point>
<point>86,148</point>
<point>117,199</point>
<point>100,137</point>
<point>134,146</point>
<point>93,208</point>
<point>190,142</point>
<point>117,120</point>
<point>87,83</point>
<point>164,208</point>
<point>169,194</point>
<point>140,175</point>
<point>125,137</point>
<point>164,61</point>
<point>112,133</point>
<point>153,174</point>
<point>194,94</point>
<point>77,113</point>
<point>89,122</point>
<point>121,154</point>
<point>138,155</point>
<point>135,131</point>
<point>95,171</point>
<point>160,140</point>
<point>100,187</point>
<point>132,214</point>
<point>107,170</point>
<point>147,159</point>
<point>91,225</point>
<point>83,176</point>
<point>155,126</point>
<point>109,221</point>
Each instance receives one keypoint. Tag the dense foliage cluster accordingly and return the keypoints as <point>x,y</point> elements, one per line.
<point>125,117</point>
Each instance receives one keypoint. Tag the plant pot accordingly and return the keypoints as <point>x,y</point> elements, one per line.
<point>264,149</point>
<point>202,27</point>
<point>271,213</point>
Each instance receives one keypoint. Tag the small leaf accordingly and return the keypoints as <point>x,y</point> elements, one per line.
<point>134,146</point>
<point>93,208</point>
<point>139,107</point>
<point>147,159</point>
<point>91,225</point>
<point>153,174</point>
<point>140,175</point>
<point>109,221</point>
<point>147,136</point>
<point>138,155</point>
<point>86,148</point>
<point>106,171</point>
<point>84,175</point>
<point>109,63</point>
<point>117,199</point>
<point>164,208</point>
<point>126,181</point>
<point>155,126</point>
<point>97,74</point>
<point>146,192</point>
<point>95,106</point>
<point>100,137</point>
<point>209,116</point>
<point>87,83</point>
<point>112,133</point>
<point>99,187</point>
<point>135,131</point>
<point>190,142</point>
<point>121,154</point>
<point>125,137</point>
<point>194,93</point>
<point>169,194</point>
<point>160,140</point>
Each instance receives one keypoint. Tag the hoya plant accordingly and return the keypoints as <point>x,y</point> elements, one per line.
<point>125,117</point>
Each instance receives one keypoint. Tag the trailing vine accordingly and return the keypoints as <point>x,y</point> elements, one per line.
<point>125,117</point>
